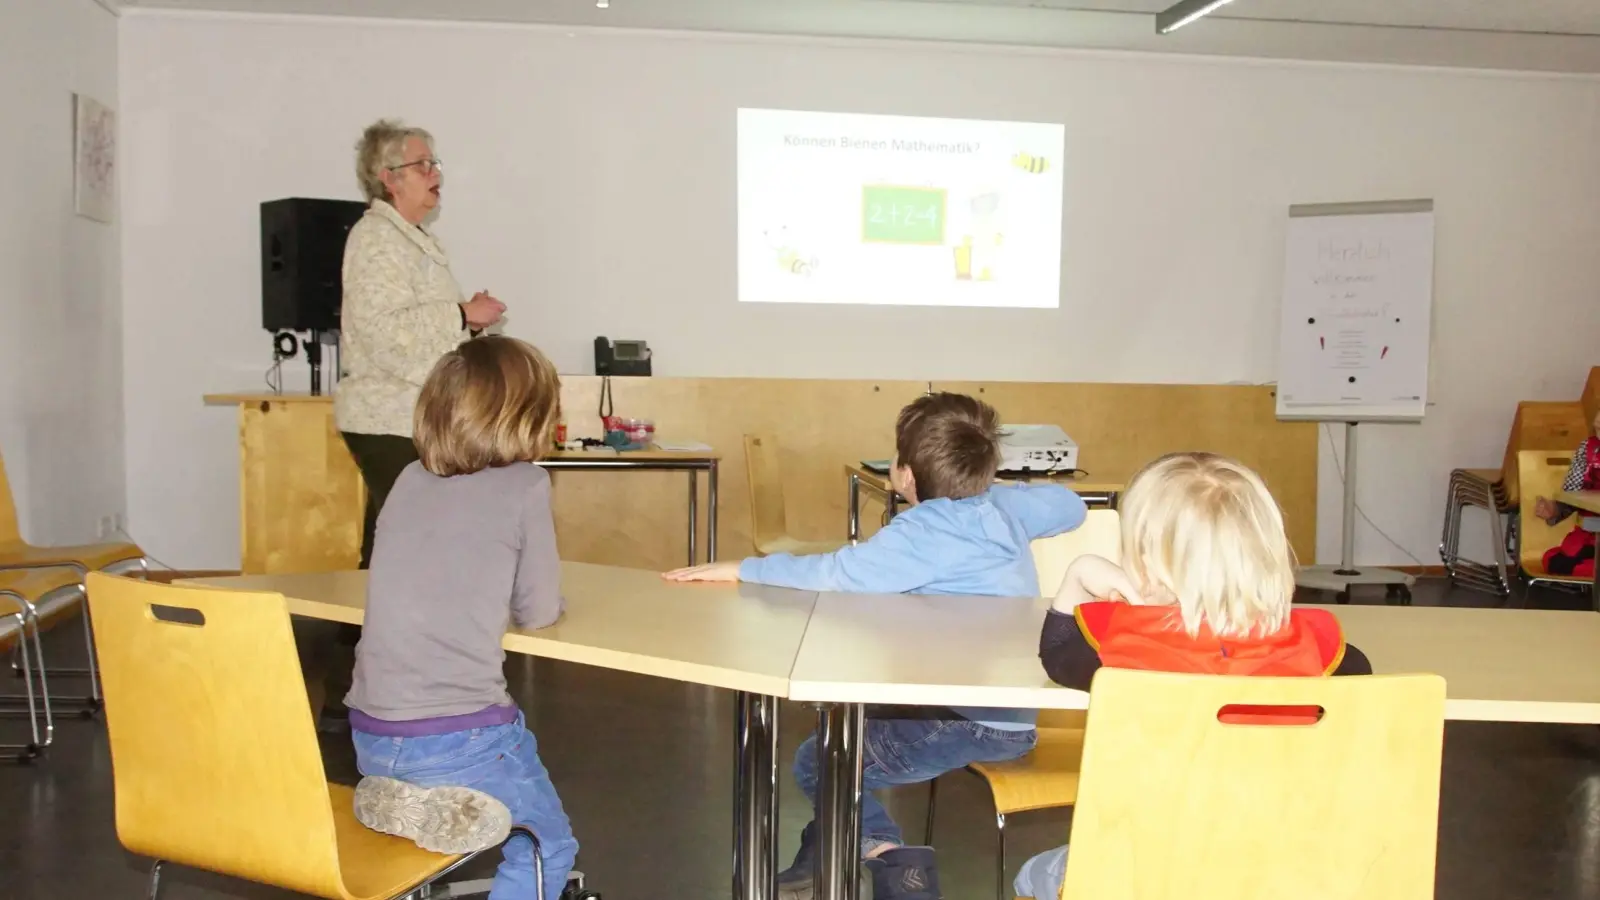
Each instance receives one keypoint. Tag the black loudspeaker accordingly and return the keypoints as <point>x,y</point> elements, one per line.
<point>302,253</point>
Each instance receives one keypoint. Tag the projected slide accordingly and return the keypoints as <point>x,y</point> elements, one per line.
<point>892,210</point>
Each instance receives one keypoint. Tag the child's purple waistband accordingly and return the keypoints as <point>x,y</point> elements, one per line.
<point>488,717</point>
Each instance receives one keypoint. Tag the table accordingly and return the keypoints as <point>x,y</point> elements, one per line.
<point>742,638</point>
<point>657,460</point>
<point>1504,665</point>
<point>1589,502</point>
<point>1094,493</point>
<point>844,651</point>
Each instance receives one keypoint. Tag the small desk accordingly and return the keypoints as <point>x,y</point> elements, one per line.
<point>302,499</point>
<point>1589,502</point>
<point>1094,493</point>
<point>657,460</point>
<point>742,638</point>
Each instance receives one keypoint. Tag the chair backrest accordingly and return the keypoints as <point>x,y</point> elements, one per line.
<point>1172,803</point>
<point>1540,425</point>
<point>1100,534</point>
<point>213,748</point>
<point>768,520</point>
<point>10,528</point>
<point>1541,473</point>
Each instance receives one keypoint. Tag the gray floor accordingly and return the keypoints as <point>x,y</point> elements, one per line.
<point>643,766</point>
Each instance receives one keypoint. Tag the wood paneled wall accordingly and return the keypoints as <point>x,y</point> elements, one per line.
<point>296,476</point>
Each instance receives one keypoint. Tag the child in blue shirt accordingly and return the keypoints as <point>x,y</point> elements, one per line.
<point>961,535</point>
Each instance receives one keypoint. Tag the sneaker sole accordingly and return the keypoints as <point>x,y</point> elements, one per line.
<point>452,820</point>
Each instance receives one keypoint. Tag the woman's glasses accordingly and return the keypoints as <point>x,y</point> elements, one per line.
<point>427,166</point>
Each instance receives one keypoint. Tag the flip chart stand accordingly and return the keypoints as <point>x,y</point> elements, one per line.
<point>1347,574</point>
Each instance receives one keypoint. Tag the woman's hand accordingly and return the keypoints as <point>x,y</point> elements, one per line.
<point>482,310</point>
<point>718,571</point>
<point>1093,577</point>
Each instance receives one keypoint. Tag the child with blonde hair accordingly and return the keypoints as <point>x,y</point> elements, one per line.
<point>1206,585</point>
<point>466,545</point>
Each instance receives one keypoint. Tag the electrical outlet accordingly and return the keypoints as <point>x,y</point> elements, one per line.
<point>108,525</point>
<point>119,522</point>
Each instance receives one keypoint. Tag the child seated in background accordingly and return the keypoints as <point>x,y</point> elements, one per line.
<point>1574,556</point>
<point>1206,586</point>
<point>961,535</point>
<point>465,543</point>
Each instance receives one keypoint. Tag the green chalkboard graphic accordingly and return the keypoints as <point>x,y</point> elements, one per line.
<point>896,214</point>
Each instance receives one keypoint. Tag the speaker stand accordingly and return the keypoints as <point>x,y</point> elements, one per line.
<point>314,357</point>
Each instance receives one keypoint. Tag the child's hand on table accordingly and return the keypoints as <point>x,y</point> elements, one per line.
<point>717,571</point>
<point>1093,577</point>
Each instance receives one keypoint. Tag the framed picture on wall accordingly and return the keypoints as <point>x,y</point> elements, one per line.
<point>94,158</point>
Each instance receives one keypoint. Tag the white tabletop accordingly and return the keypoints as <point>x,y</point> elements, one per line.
<point>739,637</point>
<point>947,651</point>
<point>1506,665</point>
<point>1499,665</point>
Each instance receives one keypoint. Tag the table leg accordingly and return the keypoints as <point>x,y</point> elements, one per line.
<point>853,509</point>
<point>711,512</point>
<point>840,730</point>
<point>694,513</point>
<point>755,792</point>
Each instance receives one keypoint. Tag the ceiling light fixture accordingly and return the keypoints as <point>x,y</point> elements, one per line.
<point>602,4</point>
<point>1183,13</point>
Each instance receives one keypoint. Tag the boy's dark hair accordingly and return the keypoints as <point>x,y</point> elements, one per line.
<point>951,444</point>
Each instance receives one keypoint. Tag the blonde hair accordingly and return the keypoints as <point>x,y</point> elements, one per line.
<point>1206,529</point>
<point>383,146</point>
<point>490,402</point>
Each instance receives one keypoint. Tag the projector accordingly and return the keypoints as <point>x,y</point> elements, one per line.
<point>1036,448</point>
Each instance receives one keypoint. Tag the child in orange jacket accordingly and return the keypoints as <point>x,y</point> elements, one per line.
<point>1206,585</point>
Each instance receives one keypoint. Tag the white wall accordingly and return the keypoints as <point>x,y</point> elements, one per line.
<point>590,184</point>
<point>60,311</point>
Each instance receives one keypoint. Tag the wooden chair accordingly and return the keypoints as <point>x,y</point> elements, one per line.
<point>37,595</point>
<point>1046,778</point>
<point>1537,425</point>
<point>769,521</point>
<point>1541,473</point>
<point>1176,805</point>
<point>214,751</point>
<point>17,553</point>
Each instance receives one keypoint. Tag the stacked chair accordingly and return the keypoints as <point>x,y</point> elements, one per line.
<point>41,587</point>
<point>1542,426</point>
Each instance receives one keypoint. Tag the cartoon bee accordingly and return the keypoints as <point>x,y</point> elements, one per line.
<point>1034,165</point>
<point>789,259</point>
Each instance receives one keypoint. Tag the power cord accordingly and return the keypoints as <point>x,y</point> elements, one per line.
<point>1338,464</point>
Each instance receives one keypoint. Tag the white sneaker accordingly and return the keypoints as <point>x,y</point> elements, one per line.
<point>441,819</point>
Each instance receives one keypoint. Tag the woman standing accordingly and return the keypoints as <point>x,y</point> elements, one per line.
<point>402,308</point>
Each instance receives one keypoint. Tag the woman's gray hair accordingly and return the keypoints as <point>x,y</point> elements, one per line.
<point>383,146</point>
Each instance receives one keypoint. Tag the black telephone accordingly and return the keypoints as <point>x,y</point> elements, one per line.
<point>621,358</point>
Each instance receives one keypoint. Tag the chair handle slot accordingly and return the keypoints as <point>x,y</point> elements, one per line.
<point>1294,715</point>
<point>178,615</point>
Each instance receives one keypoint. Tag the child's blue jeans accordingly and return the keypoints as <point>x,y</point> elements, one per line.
<point>910,751</point>
<point>503,762</point>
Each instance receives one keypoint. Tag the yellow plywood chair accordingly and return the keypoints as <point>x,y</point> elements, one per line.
<point>1176,805</point>
<point>769,520</point>
<point>29,599</point>
<point>1046,778</point>
<point>214,751</point>
<point>17,553</point>
<point>1541,473</point>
